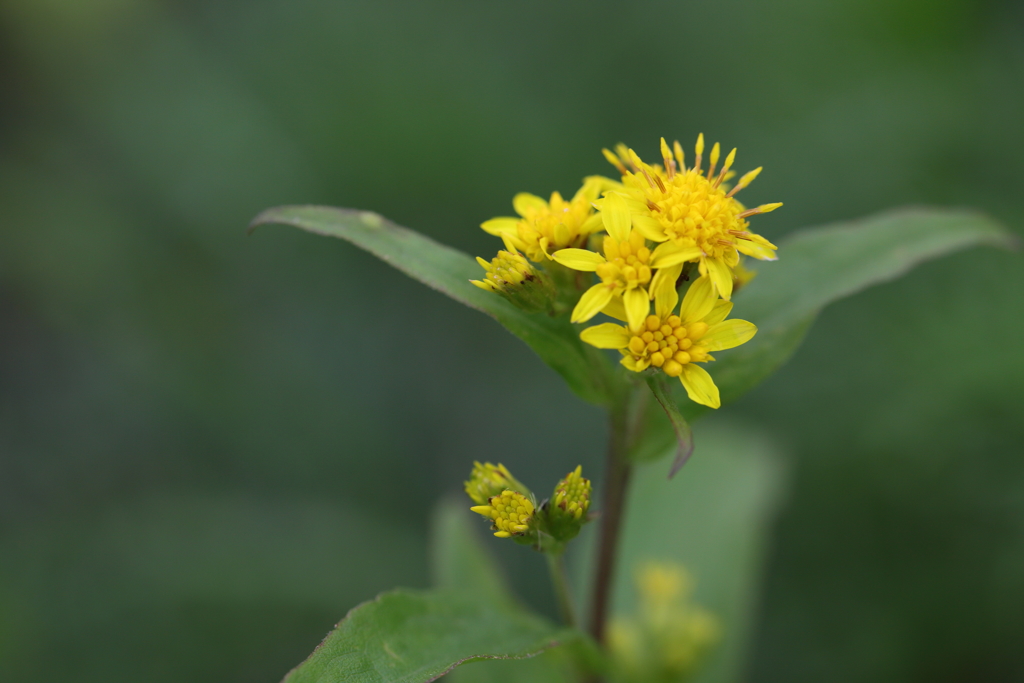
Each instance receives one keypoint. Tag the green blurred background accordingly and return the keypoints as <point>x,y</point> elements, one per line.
<point>213,445</point>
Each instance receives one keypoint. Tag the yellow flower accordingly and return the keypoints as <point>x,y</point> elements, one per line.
<point>677,343</point>
<point>487,480</point>
<point>691,214</point>
<point>511,513</point>
<point>669,636</point>
<point>624,269</point>
<point>546,226</point>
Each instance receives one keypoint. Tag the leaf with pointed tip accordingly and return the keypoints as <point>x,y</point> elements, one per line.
<point>408,636</point>
<point>554,339</point>
<point>817,267</point>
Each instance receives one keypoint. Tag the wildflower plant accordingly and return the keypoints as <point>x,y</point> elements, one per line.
<point>627,290</point>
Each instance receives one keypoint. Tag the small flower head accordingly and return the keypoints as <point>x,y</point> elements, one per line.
<point>511,514</point>
<point>544,227</point>
<point>676,343</point>
<point>624,267</point>
<point>567,509</point>
<point>512,276</point>
<point>669,636</point>
<point>692,214</point>
<point>487,481</point>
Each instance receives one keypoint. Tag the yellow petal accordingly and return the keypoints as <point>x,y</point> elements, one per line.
<point>578,259</point>
<point>665,296</point>
<point>649,227</point>
<point>670,254</point>
<point>719,313</point>
<point>633,364</point>
<point>615,215</point>
<point>758,239</point>
<point>562,234</point>
<point>594,185</point>
<point>592,224</point>
<point>496,226</point>
<point>591,303</point>
<point>525,204</point>
<point>638,305</point>
<point>512,242</point>
<point>721,276</point>
<point>699,300</point>
<point>666,277</point>
<point>699,386</point>
<point>728,334</point>
<point>615,308</point>
<point>758,251</point>
<point>606,336</point>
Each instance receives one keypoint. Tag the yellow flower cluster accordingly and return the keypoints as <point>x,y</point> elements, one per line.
<point>658,220</point>
<point>515,513</point>
<point>669,636</point>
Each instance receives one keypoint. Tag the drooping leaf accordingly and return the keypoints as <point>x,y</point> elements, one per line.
<point>449,271</point>
<point>681,428</point>
<point>817,267</point>
<point>712,519</point>
<point>407,636</point>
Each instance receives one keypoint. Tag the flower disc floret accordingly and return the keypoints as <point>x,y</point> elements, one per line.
<point>510,512</point>
<point>692,214</point>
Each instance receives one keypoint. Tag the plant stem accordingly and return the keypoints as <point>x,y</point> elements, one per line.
<point>617,480</point>
<point>556,566</point>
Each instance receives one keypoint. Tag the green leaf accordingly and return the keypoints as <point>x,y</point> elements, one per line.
<point>821,265</point>
<point>449,271</point>
<point>407,636</point>
<point>817,267</point>
<point>714,520</point>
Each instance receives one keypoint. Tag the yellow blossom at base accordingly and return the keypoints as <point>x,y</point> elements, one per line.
<point>511,513</point>
<point>547,226</point>
<point>676,343</point>
<point>669,636</point>
<point>691,214</point>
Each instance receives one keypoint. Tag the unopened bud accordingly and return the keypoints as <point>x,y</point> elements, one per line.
<point>487,481</point>
<point>567,509</point>
<point>513,277</point>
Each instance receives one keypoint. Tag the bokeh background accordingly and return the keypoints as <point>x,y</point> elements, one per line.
<point>213,445</point>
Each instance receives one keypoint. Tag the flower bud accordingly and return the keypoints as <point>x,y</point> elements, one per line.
<point>487,481</point>
<point>513,277</point>
<point>567,509</point>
